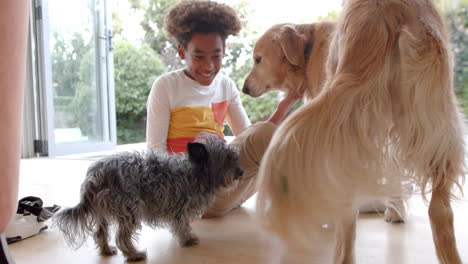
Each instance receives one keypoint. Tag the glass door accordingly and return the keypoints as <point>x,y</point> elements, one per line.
<point>75,75</point>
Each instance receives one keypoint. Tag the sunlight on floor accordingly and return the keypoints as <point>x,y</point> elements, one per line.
<point>231,239</point>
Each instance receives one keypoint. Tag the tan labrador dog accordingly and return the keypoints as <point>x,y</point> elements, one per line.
<point>291,57</point>
<point>387,113</point>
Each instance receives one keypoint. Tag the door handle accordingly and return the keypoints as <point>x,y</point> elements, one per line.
<point>108,37</point>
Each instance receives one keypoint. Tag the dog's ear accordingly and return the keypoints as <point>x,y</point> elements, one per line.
<point>197,152</point>
<point>292,44</point>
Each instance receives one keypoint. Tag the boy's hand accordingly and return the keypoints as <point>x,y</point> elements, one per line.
<point>291,98</point>
<point>285,106</point>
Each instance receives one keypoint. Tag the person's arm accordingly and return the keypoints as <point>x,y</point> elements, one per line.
<point>14,32</point>
<point>236,116</point>
<point>158,116</point>
<point>284,107</point>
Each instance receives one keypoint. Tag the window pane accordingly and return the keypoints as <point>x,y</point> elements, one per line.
<point>74,71</point>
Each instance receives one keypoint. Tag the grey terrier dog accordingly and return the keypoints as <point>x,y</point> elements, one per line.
<point>161,190</point>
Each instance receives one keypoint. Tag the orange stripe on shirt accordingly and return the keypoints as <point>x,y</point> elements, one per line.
<point>178,145</point>
<point>219,111</point>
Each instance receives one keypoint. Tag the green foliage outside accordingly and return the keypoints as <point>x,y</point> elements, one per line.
<point>74,76</point>
<point>458,23</point>
<point>85,95</point>
<point>135,69</point>
<point>152,24</point>
<point>237,64</point>
<point>66,60</point>
<point>137,66</point>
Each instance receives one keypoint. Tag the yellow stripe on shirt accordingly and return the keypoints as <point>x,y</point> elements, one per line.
<point>188,121</point>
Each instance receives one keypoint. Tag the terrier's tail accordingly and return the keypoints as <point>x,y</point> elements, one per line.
<point>76,223</point>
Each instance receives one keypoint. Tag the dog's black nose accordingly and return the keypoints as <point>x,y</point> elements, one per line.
<point>239,172</point>
<point>245,89</point>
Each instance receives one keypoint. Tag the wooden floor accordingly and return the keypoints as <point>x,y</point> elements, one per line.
<point>231,239</point>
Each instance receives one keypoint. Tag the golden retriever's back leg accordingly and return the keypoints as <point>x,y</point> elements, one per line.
<point>430,127</point>
<point>441,216</point>
<point>345,237</point>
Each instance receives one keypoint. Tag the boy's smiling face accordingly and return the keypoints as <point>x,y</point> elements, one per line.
<point>203,56</point>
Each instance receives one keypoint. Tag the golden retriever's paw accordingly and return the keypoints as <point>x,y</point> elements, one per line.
<point>396,210</point>
<point>394,216</point>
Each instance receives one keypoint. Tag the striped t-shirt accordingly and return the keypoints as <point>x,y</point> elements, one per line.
<point>179,108</point>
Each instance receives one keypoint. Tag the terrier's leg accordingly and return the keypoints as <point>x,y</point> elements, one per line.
<point>101,238</point>
<point>126,231</point>
<point>183,231</point>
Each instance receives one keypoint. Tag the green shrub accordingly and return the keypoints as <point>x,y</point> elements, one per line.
<point>135,70</point>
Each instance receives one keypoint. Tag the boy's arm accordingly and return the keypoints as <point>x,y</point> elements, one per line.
<point>237,117</point>
<point>284,107</point>
<point>158,117</point>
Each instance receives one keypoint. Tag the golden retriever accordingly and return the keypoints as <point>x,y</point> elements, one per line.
<point>387,113</point>
<point>291,58</point>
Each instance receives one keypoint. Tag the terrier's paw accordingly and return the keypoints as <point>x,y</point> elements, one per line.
<point>392,216</point>
<point>109,251</point>
<point>192,241</point>
<point>137,256</point>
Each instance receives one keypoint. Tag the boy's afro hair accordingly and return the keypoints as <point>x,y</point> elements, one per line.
<point>204,16</point>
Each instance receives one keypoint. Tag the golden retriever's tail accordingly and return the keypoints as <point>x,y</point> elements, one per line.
<point>428,127</point>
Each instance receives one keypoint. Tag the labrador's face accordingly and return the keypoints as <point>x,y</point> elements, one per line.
<point>271,69</point>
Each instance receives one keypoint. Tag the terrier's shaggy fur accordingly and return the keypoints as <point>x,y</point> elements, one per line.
<point>161,190</point>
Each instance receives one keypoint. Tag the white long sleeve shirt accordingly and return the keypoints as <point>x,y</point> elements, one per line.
<point>179,108</point>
